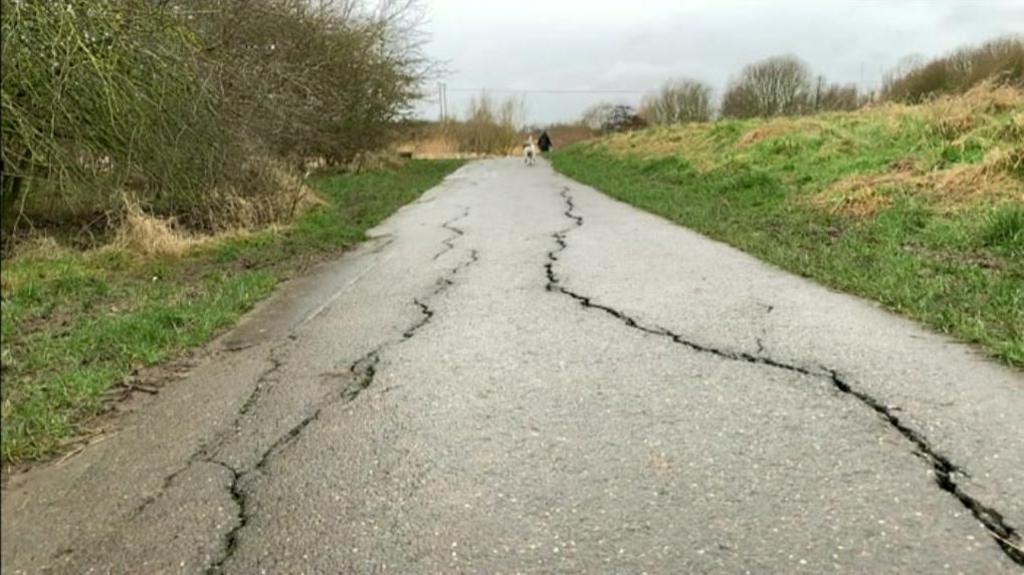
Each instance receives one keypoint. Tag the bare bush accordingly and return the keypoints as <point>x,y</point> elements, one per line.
<point>491,126</point>
<point>326,79</point>
<point>679,101</point>
<point>1001,61</point>
<point>117,106</point>
<point>607,117</point>
<point>835,97</point>
<point>777,86</point>
<point>169,101</point>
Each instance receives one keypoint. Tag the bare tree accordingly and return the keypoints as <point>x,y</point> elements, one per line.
<point>777,86</point>
<point>175,99</point>
<point>835,97</point>
<point>325,79</point>
<point>915,80</point>
<point>607,117</point>
<point>491,127</point>
<point>679,101</point>
<point>597,115</point>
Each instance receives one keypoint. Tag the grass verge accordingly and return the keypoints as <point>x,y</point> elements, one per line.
<point>917,208</point>
<point>75,323</point>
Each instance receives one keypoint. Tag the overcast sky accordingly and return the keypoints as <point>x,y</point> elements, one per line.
<point>618,45</point>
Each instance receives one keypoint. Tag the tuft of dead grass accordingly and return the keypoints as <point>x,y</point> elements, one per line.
<point>778,127</point>
<point>231,213</point>
<point>773,128</point>
<point>40,247</point>
<point>950,117</point>
<point>860,195</point>
<point>268,193</point>
<point>149,235</point>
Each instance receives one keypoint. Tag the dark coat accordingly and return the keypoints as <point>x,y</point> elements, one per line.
<point>544,142</point>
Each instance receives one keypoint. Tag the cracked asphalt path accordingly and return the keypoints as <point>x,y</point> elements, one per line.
<point>519,374</point>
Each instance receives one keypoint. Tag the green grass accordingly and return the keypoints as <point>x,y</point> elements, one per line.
<point>75,323</point>
<point>959,270</point>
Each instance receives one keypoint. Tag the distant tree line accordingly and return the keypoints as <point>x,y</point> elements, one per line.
<point>1000,60</point>
<point>189,105</point>
<point>786,86</point>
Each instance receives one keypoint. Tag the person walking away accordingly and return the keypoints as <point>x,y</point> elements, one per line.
<point>544,142</point>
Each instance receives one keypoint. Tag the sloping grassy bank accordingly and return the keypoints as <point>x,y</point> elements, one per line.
<point>75,323</point>
<point>920,208</point>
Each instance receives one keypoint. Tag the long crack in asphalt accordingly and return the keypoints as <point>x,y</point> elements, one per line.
<point>945,471</point>
<point>449,242</point>
<point>205,451</point>
<point>362,371</point>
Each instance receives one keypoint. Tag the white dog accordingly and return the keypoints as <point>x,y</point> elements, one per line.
<point>529,152</point>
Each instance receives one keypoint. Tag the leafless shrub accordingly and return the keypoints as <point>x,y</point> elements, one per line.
<point>180,102</point>
<point>914,81</point>
<point>607,117</point>
<point>679,101</point>
<point>491,126</point>
<point>835,97</point>
<point>100,96</point>
<point>777,86</point>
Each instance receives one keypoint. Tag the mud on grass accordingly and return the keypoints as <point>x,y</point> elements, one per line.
<point>76,323</point>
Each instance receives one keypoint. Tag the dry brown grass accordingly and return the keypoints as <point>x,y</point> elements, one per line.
<point>989,116</point>
<point>953,116</point>
<point>777,127</point>
<point>945,190</point>
<point>275,197</point>
<point>957,120</point>
<point>40,247</point>
<point>694,141</point>
<point>149,235</point>
<point>456,139</point>
<point>1005,159</point>
<point>441,145</point>
<point>269,193</point>
<point>435,145</point>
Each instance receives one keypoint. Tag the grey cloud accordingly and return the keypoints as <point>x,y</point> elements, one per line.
<point>609,45</point>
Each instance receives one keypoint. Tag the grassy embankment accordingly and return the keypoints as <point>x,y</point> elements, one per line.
<point>75,323</point>
<point>920,208</point>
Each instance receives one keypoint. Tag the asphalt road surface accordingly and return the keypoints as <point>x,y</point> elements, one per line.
<point>519,374</point>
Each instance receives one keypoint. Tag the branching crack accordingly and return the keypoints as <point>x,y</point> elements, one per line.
<point>945,471</point>
<point>362,372</point>
<point>204,451</point>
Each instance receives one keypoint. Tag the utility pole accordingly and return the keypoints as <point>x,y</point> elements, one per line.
<point>444,100</point>
<point>440,102</point>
